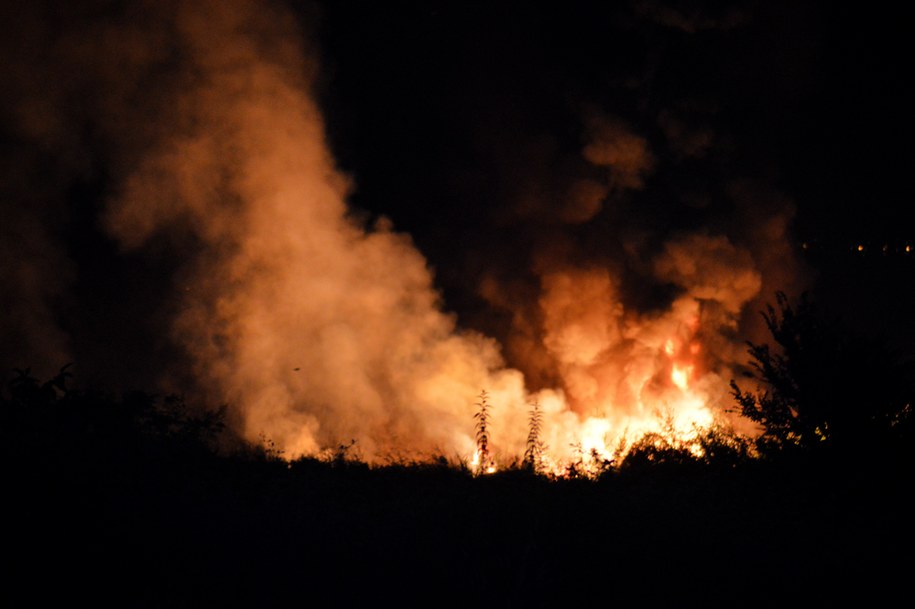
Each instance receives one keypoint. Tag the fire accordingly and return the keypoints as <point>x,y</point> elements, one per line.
<point>478,467</point>
<point>680,376</point>
<point>682,371</point>
<point>624,375</point>
<point>669,347</point>
<point>594,435</point>
<point>315,327</point>
<point>661,386</point>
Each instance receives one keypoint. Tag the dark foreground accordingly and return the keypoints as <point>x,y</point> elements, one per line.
<point>105,513</point>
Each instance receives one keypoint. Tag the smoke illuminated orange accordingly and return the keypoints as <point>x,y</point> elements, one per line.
<point>318,330</point>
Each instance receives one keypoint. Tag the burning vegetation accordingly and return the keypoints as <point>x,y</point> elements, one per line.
<point>317,326</point>
<point>437,377</point>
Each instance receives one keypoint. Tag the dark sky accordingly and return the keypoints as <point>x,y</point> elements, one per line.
<point>469,126</point>
<point>812,97</point>
<point>449,114</point>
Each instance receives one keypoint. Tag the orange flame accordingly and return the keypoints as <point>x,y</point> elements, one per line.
<point>680,376</point>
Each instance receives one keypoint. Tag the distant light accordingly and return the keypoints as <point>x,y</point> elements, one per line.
<point>804,245</point>
<point>860,248</point>
<point>908,249</point>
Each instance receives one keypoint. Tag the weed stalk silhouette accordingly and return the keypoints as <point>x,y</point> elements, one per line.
<point>481,428</point>
<point>534,446</point>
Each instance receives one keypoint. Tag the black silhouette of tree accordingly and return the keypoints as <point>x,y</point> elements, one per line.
<point>822,385</point>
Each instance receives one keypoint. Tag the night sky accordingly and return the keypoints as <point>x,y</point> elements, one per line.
<point>452,118</point>
<point>811,98</point>
<point>468,126</point>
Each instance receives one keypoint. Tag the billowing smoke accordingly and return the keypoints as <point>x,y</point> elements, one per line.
<point>313,328</point>
<point>200,124</point>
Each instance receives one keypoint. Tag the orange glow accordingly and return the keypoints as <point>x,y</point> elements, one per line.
<point>669,347</point>
<point>477,467</point>
<point>680,376</point>
<point>317,328</point>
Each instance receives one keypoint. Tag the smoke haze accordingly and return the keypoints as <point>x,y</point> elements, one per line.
<point>604,279</point>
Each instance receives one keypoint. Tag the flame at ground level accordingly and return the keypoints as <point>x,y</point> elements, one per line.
<point>646,385</point>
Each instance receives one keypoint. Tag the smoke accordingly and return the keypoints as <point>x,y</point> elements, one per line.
<point>710,269</point>
<point>626,154</point>
<point>35,273</point>
<point>317,329</point>
<point>313,328</point>
<point>198,124</point>
<point>690,17</point>
<point>641,310</point>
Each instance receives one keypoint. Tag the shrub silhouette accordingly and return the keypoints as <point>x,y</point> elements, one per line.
<point>822,386</point>
<point>128,501</point>
<point>52,418</point>
<point>714,448</point>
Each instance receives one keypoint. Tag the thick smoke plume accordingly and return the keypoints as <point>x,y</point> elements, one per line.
<point>313,328</point>
<point>200,120</point>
